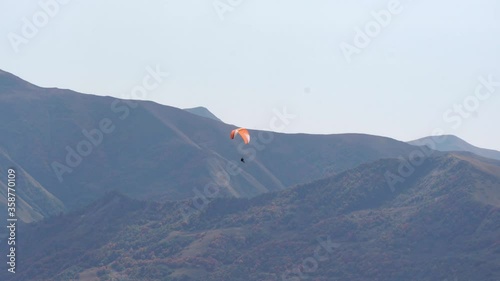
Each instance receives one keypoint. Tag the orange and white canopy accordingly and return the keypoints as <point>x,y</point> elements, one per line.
<point>243,134</point>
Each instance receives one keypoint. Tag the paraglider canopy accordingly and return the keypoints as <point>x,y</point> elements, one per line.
<point>243,134</point>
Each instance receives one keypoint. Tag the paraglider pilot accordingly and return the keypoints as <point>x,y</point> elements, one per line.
<point>243,134</point>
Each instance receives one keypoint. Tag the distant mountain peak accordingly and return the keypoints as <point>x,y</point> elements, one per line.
<point>203,112</point>
<point>447,143</point>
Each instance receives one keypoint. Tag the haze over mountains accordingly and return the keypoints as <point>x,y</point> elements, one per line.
<point>124,190</point>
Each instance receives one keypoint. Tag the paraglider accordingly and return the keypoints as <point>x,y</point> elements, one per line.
<point>244,134</point>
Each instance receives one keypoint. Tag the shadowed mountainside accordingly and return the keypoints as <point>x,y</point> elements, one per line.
<point>441,223</point>
<point>33,201</point>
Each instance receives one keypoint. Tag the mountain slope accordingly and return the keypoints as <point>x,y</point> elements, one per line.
<point>33,201</point>
<point>453,143</point>
<point>203,112</point>
<point>78,147</point>
<point>436,225</point>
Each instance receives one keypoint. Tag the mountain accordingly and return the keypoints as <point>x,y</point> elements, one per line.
<point>77,147</point>
<point>33,202</point>
<point>453,143</point>
<point>11,82</point>
<point>203,112</point>
<point>441,223</point>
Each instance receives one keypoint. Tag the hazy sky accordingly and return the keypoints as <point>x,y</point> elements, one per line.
<point>253,56</point>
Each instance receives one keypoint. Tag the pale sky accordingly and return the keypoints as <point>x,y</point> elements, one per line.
<point>267,55</point>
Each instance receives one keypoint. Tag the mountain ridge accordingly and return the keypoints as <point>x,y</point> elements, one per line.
<point>170,154</point>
